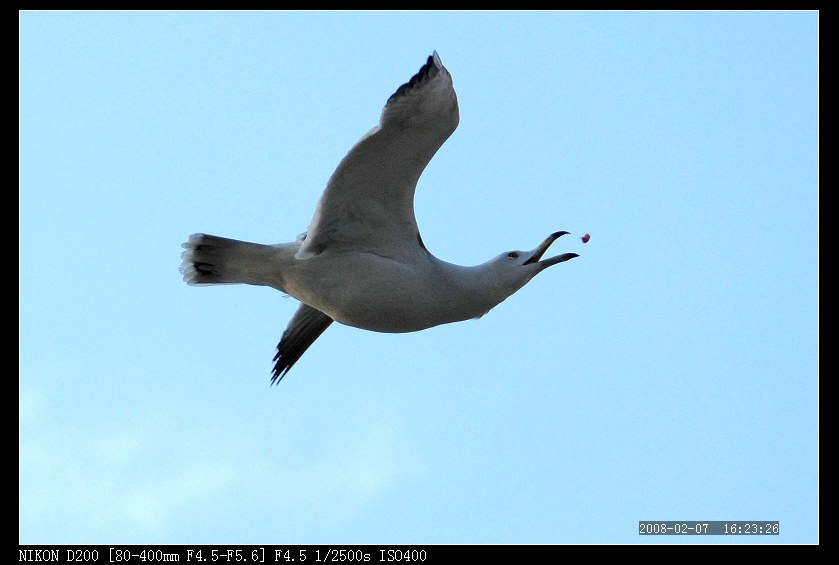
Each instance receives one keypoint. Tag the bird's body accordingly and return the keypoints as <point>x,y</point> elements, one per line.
<point>358,289</point>
<point>362,261</point>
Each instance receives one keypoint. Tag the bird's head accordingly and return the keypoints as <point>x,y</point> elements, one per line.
<point>512,270</point>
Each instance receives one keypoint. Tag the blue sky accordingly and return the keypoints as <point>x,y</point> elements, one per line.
<point>670,372</point>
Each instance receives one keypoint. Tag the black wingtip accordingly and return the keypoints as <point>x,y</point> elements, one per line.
<point>279,371</point>
<point>283,362</point>
<point>427,71</point>
<point>305,327</point>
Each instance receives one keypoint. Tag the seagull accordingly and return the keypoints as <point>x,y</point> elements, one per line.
<point>362,262</point>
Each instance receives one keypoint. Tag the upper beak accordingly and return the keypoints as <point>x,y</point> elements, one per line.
<point>539,251</point>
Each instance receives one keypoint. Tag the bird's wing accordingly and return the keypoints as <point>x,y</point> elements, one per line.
<point>304,328</point>
<point>368,204</point>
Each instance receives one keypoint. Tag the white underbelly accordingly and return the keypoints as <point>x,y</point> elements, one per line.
<point>381,295</point>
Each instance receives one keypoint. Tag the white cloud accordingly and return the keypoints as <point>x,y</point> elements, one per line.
<point>155,480</point>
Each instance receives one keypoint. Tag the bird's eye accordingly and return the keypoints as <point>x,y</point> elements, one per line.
<point>513,254</point>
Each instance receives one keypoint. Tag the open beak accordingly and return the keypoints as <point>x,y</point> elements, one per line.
<point>539,251</point>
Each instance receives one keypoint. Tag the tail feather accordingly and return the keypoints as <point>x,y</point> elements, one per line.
<point>210,259</point>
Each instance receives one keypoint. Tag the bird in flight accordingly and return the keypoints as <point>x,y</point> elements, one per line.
<point>362,261</point>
